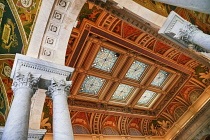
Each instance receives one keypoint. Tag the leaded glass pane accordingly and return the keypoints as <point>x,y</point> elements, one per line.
<point>92,84</point>
<point>136,70</point>
<point>105,59</point>
<point>147,97</point>
<point>160,78</point>
<point>122,92</point>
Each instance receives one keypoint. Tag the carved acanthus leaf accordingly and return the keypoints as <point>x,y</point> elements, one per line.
<point>27,81</point>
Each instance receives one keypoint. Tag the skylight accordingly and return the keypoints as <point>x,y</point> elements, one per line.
<point>92,84</point>
<point>105,59</point>
<point>136,70</point>
<point>147,98</point>
<point>160,78</point>
<point>122,92</point>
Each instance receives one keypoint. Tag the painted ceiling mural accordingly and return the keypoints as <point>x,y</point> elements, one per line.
<point>6,93</point>
<point>104,62</point>
<point>87,122</point>
<point>17,18</point>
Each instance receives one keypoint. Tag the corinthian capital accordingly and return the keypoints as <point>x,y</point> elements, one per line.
<point>58,87</point>
<point>186,32</point>
<point>25,81</point>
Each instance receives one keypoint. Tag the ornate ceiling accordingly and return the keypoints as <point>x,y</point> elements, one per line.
<point>126,81</point>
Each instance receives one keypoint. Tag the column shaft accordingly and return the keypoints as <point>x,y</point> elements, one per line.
<point>201,5</point>
<point>16,127</point>
<point>62,128</point>
<point>202,39</point>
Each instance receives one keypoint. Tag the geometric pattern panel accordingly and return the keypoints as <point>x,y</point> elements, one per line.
<point>105,59</point>
<point>160,78</point>
<point>92,84</point>
<point>122,92</point>
<point>147,98</point>
<point>136,70</point>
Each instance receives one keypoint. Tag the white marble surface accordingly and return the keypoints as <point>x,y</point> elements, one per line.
<point>62,127</point>
<point>39,28</point>
<point>47,69</point>
<point>57,52</point>
<point>183,32</point>
<point>148,15</point>
<point>16,127</point>
<point>196,5</point>
<point>33,134</point>
<point>202,39</point>
<point>36,109</point>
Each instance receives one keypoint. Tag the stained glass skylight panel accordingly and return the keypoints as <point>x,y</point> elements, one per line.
<point>122,92</point>
<point>136,70</point>
<point>160,78</point>
<point>105,59</point>
<point>147,97</point>
<point>92,84</point>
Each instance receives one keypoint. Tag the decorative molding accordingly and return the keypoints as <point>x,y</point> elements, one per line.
<point>196,124</point>
<point>48,70</point>
<point>33,134</point>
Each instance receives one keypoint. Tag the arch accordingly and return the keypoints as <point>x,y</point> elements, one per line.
<point>78,129</point>
<point>134,132</point>
<point>194,94</point>
<point>109,131</point>
<point>179,111</point>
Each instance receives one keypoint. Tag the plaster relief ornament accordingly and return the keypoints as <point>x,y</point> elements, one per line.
<point>25,81</point>
<point>26,4</point>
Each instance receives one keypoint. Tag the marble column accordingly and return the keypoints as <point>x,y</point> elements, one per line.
<point>24,86</point>
<point>196,5</point>
<point>62,127</point>
<point>190,34</point>
<point>185,33</point>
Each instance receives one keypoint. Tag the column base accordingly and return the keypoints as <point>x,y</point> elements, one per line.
<point>33,134</point>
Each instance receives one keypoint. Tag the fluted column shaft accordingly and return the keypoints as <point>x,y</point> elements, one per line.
<point>16,128</point>
<point>62,127</point>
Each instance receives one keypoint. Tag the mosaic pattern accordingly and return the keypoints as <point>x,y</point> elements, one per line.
<point>105,59</point>
<point>147,97</point>
<point>122,92</point>
<point>160,78</point>
<point>92,85</point>
<point>136,70</point>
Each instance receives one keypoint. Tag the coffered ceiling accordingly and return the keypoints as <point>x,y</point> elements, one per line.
<point>128,80</point>
<point>113,75</point>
